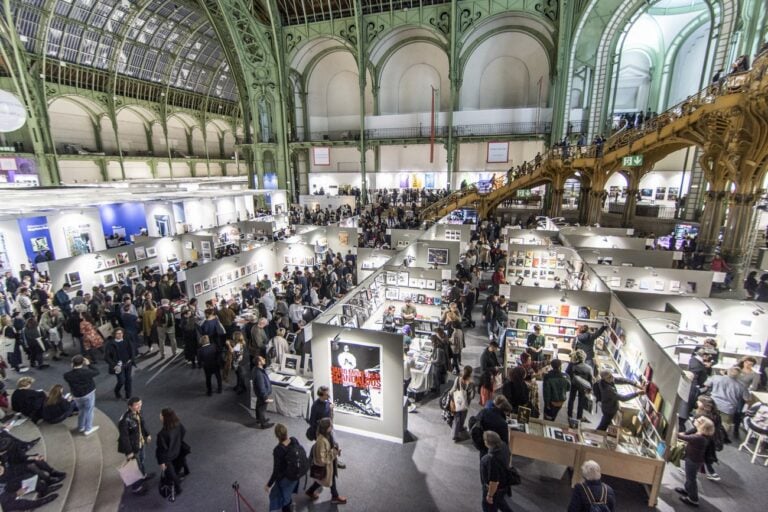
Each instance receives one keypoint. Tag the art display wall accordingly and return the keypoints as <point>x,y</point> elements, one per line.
<point>112,266</point>
<point>658,281</point>
<point>365,369</point>
<point>225,277</point>
<point>618,257</point>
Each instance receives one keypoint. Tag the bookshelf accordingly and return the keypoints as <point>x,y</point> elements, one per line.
<point>558,321</point>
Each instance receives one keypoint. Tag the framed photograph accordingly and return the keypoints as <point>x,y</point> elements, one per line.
<point>151,252</point>
<point>120,275</point>
<point>391,277</point>
<point>205,246</point>
<point>356,378</point>
<point>140,253</point>
<point>132,272</point>
<point>674,286</point>
<point>291,364</point>
<point>73,278</point>
<point>171,257</point>
<point>189,245</point>
<point>108,279</point>
<point>206,285</point>
<point>402,279</point>
<point>249,269</point>
<point>437,256</point>
<point>392,293</point>
<point>122,257</point>
<point>413,282</point>
<point>236,274</point>
<point>430,284</point>
<point>214,281</point>
<point>243,271</point>
<point>660,193</point>
<point>111,262</point>
<point>155,269</point>
<point>421,283</point>
<point>198,288</point>
<point>229,277</point>
<point>343,238</point>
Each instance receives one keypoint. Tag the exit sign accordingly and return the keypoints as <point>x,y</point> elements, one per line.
<point>632,161</point>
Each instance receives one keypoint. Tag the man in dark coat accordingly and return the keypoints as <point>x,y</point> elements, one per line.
<point>120,356</point>
<point>610,397</point>
<point>208,359</point>
<point>133,438</point>
<point>262,387</point>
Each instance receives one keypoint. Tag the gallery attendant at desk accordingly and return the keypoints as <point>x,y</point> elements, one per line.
<point>409,314</point>
<point>535,344</point>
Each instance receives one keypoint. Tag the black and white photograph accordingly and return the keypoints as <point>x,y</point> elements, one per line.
<point>356,378</point>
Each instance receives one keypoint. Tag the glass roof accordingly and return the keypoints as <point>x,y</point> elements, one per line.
<point>165,42</point>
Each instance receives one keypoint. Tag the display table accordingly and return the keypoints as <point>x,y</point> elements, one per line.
<point>760,396</point>
<point>421,379</point>
<point>286,400</point>
<point>537,446</point>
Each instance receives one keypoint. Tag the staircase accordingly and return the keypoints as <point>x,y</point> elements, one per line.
<point>666,133</point>
<point>92,484</point>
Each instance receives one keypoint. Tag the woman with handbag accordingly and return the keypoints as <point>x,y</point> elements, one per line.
<point>171,451</point>
<point>323,467</point>
<point>462,393</point>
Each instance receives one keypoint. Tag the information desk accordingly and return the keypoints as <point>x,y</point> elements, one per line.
<point>294,402</point>
<point>537,445</point>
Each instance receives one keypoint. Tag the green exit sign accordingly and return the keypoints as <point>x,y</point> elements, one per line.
<point>632,161</point>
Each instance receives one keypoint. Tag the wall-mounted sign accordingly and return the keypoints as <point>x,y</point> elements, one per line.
<point>321,156</point>
<point>37,239</point>
<point>498,153</point>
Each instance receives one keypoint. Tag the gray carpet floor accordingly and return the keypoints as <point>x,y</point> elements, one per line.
<point>428,473</point>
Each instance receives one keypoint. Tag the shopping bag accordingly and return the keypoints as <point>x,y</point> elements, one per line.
<point>460,400</point>
<point>106,329</point>
<point>130,472</point>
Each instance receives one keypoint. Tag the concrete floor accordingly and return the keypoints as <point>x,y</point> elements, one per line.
<point>428,473</point>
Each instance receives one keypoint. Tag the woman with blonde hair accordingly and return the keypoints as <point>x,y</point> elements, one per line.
<point>58,407</point>
<point>237,349</point>
<point>26,400</point>
<point>695,456</point>
<point>279,347</point>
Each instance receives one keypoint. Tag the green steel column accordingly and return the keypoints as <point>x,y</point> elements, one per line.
<point>361,74</point>
<point>558,91</point>
<point>283,93</point>
<point>31,90</point>
<point>453,76</point>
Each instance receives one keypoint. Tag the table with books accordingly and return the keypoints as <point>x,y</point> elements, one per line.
<point>560,444</point>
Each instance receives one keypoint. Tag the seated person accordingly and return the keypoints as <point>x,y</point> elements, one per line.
<point>28,401</point>
<point>11,491</point>
<point>57,408</point>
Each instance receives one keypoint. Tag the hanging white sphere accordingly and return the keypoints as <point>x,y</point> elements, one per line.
<point>13,115</point>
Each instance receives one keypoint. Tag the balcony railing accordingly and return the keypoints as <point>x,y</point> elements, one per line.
<point>423,132</point>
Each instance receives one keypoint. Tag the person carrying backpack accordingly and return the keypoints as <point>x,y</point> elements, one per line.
<point>290,464</point>
<point>592,495</point>
<point>494,473</point>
